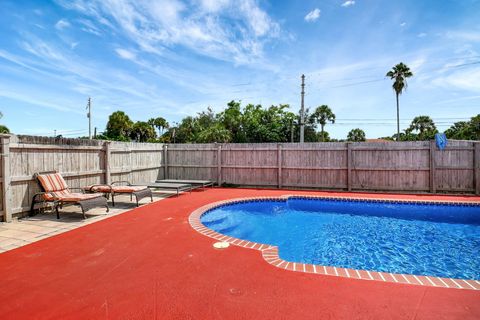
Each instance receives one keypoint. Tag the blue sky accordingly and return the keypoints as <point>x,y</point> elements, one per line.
<point>175,58</point>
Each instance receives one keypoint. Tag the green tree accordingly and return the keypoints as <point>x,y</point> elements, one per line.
<point>232,119</point>
<point>323,136</point>
<point>186,131</point>
<point>475,127</point>
<point>356,135</point>
<point>465,130</point>
<point>3,129</point>
<point>310,133</point>
<point>425,127</point>
<point>159,123</point>
<point>214,133</point>
<point>405,136</point>
<point>267,125</point>
<point>458,131</point>
<point>119,126</point>
<point>142,132</point>
<point>205,119</point>
<point>322,115</point>
<point>399,74</point>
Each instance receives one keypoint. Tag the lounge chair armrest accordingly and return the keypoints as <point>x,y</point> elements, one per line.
<point>39,194</point>
<point>121,181</point>
<point>99,185</point>
<point>37,198</point>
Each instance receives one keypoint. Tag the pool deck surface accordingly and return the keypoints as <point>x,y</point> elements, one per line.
<point>148,263</point>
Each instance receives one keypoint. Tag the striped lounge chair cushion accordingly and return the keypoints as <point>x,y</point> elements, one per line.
<point>101,188</point>
<point>57,189</point>
<point>52,182</point>
<point>68,196</point>
<point>127,189</point>
<point>75,197</point>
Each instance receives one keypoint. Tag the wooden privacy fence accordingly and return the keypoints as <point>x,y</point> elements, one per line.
<point>81,162</point>
<point>404,166</point>
<point>390,166</point>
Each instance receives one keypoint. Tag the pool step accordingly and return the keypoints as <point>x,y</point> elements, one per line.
<point>227,229</point>
<point>214,221</point>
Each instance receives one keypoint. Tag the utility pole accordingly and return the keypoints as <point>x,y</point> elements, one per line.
<point>89,116</point>
<point>302,112</point>
<point>55,133</point>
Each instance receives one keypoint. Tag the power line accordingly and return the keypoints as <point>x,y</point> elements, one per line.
<point>355,83</point>
<point>369,119</point>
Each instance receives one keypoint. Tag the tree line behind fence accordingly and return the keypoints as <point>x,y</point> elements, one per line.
<point>404,166</point>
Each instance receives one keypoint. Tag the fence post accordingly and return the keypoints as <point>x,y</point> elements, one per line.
<point>349,166</point>
<point>165,161</point>
<point>433,187</point>
<point>6,188</point>
<point>107,161</point>
<point>279,164</point>
<point>219,165</point>
<point>476,167</point>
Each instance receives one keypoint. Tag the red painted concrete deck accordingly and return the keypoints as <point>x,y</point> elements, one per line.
<point>149,263</point>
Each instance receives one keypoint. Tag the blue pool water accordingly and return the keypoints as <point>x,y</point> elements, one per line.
<point>421,239</point>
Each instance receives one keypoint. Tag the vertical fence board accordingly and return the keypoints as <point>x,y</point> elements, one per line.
<point>476,167</point>
<point>279,165</point>
<point>433,187</point>
<point>6,184</point>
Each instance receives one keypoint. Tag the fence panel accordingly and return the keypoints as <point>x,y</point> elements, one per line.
<point>391,166</point>
<point>192,161</point>
<point>2,186</point>
<point>249,164</point>
<point>455,167</point>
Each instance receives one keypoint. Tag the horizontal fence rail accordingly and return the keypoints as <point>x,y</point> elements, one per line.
<point>391,166</point>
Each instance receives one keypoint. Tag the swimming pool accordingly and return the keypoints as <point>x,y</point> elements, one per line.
<point>430,239</point>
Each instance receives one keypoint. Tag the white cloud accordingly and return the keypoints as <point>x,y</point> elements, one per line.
<point>403,24</point>
<point>258,20</point>
<point>463,79</point>
<point>213,28</point>
<point>422,35</point>
<point>214,5</point>
<point>313,15</point>
<point>62,24</point>
<point>89,27</point>
<point>348,3</point>
<point>125,54</point>
<point>470,36</point>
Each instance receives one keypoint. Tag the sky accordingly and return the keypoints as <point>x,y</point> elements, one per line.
<point>176,58</point>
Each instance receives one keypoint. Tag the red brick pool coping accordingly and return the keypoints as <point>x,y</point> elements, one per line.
<point>270,253</point>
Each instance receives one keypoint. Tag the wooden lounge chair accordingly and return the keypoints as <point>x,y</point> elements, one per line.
<point>121,187</point>
<point>168,186</point>
<point>56,191</point>
<point>195,183</point>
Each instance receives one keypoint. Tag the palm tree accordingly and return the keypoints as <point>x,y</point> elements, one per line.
<point>142,131</point>
<point>399,73</point>
<point>322,115</point>
<point>119,125</point>
<point>159,123</point>
<point>356,135</point>
<point>424,125</point>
